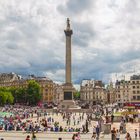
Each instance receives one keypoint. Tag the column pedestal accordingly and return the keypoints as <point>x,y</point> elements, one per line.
<point>68,101</point>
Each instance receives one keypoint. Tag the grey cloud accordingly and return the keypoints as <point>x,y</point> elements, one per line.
<point>74,7</point>
<point>83,33</point>
<point>106,46</point>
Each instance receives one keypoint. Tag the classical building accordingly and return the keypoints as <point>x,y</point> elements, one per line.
<point>111,94</point>
<point>135,88</point>
<point>47,88</point>
<point>13,80</point>
<point>93,92</point>
<point>123,94</point>
<point>9,77</point>
<point>58,94</point>
<point>128,91</point>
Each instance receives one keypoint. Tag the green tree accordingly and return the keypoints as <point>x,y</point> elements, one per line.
<point>3,98</point>
<point>10,98</point>
<point>33,93</point>
<point>6,97</point>
<point>76,95</point>
<point>19,94</point>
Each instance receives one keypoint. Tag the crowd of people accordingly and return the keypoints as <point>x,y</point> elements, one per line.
<point>34,119</point>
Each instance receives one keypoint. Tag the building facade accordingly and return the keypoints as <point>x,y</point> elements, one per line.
<point>58,94</point>
<point>111,94</point>
<point>128,91</point>
<point>93,92</point>
<point>46,84</point>
<point>135,88</point>
<point>123,94</point>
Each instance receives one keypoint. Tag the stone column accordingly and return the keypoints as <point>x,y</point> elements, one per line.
<point>68,33</point>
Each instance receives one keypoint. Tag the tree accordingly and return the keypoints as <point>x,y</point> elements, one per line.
<point>6,97</point>
<point>2,98</point>
<point>33,92</point>
<point>10,98</point>
<point>19,94</point>
<point>76,95</point>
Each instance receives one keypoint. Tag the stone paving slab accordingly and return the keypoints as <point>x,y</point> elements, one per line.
<point>54,136</point>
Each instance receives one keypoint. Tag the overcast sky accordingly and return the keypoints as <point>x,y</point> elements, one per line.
<point>105,41</point>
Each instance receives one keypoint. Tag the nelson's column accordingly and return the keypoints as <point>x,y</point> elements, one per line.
<point>68,88</point>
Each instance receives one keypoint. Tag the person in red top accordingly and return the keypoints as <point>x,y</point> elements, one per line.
<point>28,137</point>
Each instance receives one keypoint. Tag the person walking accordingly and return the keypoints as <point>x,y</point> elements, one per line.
<point>112,118</point>
<point>73,137</point>
<point>28,137</point>
<point>117,135</point>
<point>128,137</point>
<point>34,136</point>
<point>113,134</point>
<point>94,130</point>
<point>93,137</point>
<point>87,130</point>
<point>136,134</point>
<point>97,131</point>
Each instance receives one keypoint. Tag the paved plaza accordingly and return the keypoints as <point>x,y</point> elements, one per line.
<point>19,135</point>
<point>55,136</point>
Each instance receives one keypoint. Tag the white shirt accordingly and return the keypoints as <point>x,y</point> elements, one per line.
<point>118,135</point>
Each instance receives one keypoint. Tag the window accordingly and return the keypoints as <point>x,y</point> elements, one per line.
<point>137,82</point>
<point>137,86</point>
<point>133,86</point>
<point>134,97</point>
<point>133,82</point>
<point>138,97</point>
<point>134,92</point>
<point>138,91</point>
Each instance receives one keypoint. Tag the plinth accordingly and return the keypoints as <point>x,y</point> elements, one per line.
<point>68,101</point>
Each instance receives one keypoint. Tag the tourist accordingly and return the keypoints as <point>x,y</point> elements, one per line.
<point>94,130</point>
<point>34,136</point>
<point>139,132</point>
<point>73,137</point>
<point>83,129</point>
<point>112,118</point>
<point>113,134</point>
<point>98,131</point>
<point>117,135</point>
<point>128,137</point>
<point>76,137</point>
<point>121,126</point>
<point>93,136</point>
<point>87,130</point>
<point>136,134</point>
<point>28,137</point>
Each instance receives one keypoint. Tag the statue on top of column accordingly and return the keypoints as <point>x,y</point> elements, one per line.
<point>68,23</point>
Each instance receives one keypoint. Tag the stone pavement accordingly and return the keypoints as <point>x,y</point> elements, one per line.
<point>54,136</point>
<point>14,135</point>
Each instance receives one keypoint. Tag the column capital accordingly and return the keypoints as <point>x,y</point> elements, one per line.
<point>68,32</point>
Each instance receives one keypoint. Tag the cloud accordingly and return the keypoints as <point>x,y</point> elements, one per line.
<point>105,38</point>
<point>73,7</point>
